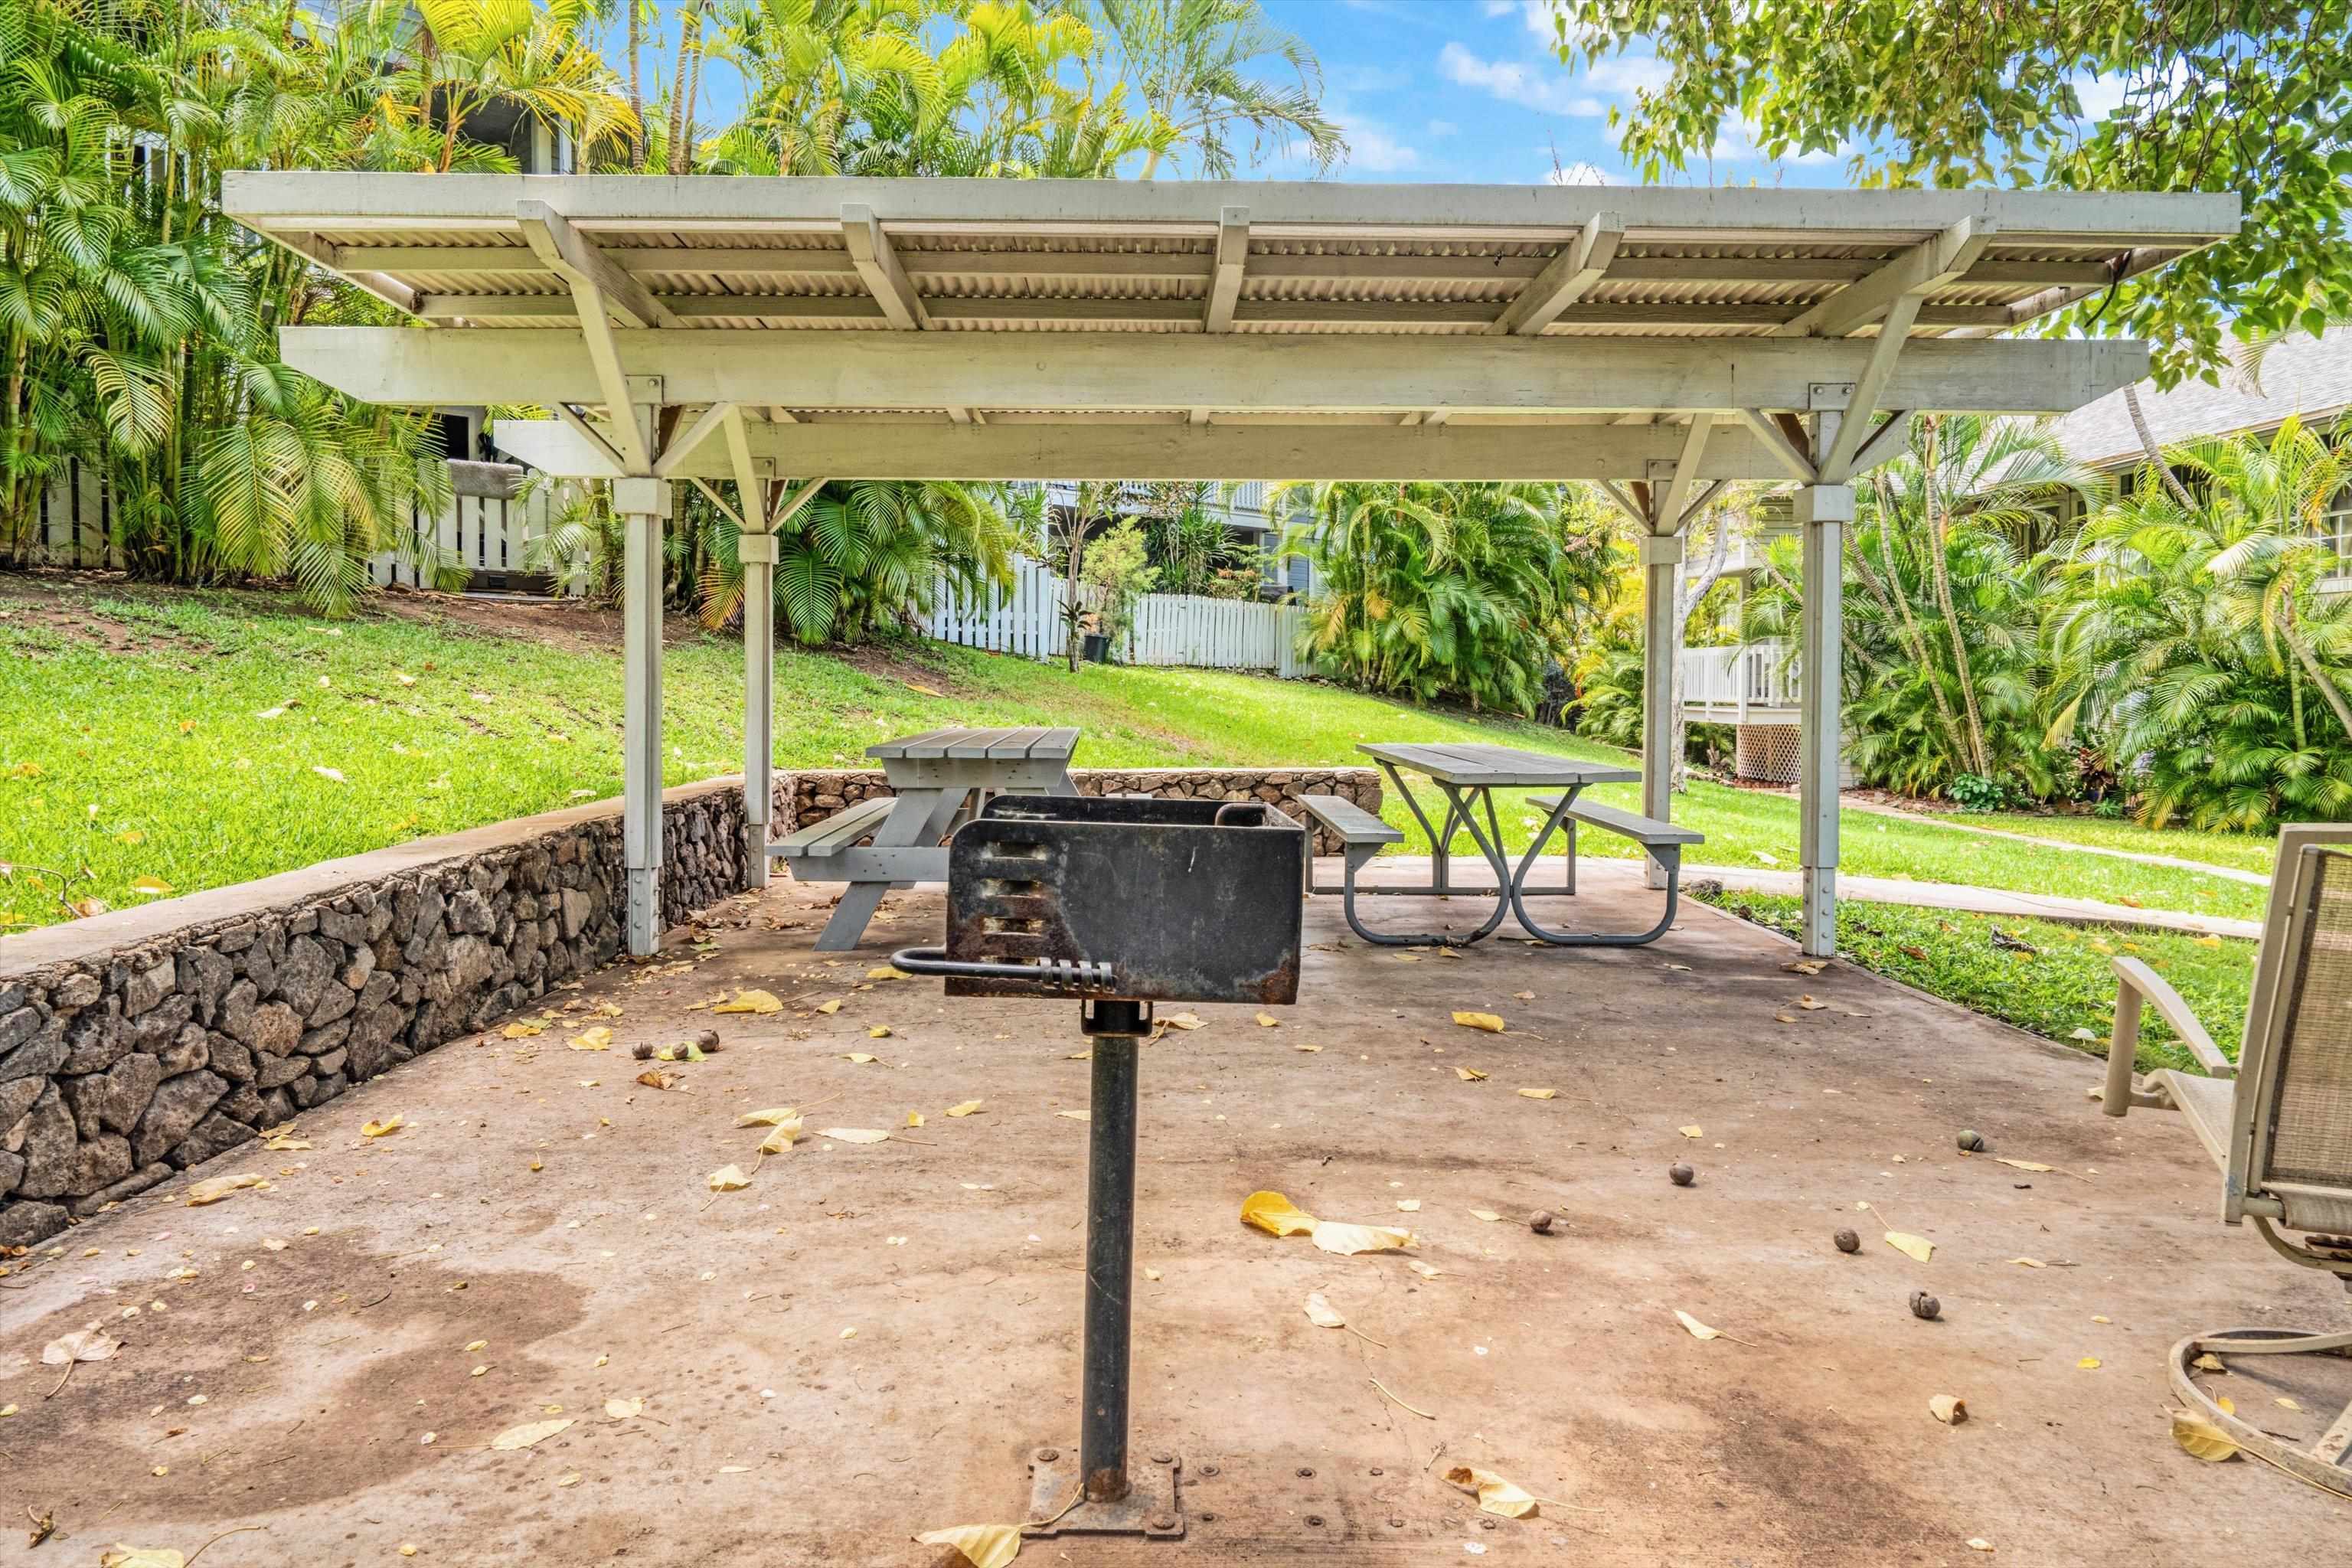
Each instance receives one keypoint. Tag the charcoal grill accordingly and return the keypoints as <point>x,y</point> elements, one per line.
<point>1117,902</point>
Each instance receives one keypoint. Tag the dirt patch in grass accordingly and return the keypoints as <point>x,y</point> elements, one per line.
<point>56,604</point>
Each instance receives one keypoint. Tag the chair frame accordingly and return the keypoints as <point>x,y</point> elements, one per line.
<point>2271,1007</point>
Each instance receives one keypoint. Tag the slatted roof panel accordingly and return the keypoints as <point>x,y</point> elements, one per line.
<point>1131,257</point>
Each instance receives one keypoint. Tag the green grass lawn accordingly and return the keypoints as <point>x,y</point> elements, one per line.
<point>2065,985</point>
<point>198,739</point>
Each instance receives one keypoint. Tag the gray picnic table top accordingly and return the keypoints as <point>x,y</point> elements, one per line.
<point>1035,744</point>
<point>1482,766</point>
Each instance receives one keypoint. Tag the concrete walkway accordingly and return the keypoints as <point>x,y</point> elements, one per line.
<point>1595,874</point>
<point>2177,862</point>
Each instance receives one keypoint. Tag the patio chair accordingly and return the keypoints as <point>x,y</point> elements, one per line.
<point>2279,1124</point>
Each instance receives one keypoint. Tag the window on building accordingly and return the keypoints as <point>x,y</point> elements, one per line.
<point>2336,523</point>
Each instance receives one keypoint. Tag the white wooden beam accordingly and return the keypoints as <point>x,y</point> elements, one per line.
<point>714,499</point>
<point>1234,371</point>
<point>390,290</point>
<point>1685,475</point>
<point>790,507</point>
<point>1634,511</point>
<point>563,252</point>
<point>340,201</point>
<point>1177,451</point>
<point>683,445</point>
<point>1581,263</point>
<point>1883,445</point>
<point>1232,261</point>
<point>1919,271</point>
<point>1793,462</point>
<point>600,443</point>
<point>877,264</point>
<point>1869,390</point>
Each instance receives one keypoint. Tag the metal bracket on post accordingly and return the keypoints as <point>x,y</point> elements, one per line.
<point>1096,1491</point>
<point>1829,396</point>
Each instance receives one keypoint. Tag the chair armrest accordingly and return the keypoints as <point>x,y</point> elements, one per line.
<point>2138,983</point>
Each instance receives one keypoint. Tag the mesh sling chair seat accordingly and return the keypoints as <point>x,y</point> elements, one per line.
<point>2278,1124</point>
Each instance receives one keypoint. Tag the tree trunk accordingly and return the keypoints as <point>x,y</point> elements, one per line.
<point>1687,599</point>
<point>1980,762</point>
<point>1916,638</point>
<point>636,91</point>
<point>2155,456</point>
<point>689,45</point>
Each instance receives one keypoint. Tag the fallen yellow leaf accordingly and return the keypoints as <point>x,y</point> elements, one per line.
<point>1297,1048</point>
<point>1494,1494</point>
<point>1492,1023</point>
<point>1693,1131</point>
<point>2200,1439</point>
<point>153,887</point>
<point>982,1545</point>
<point>1348,1239</point>
<point>768,1118</point>
<point>1489,1215</point>
<point>1947,1409</point>
<point>1698,1330</point>
<point>1916,1247</point>
<point>1276,1214</point>
<point>1183,1021</point>
<point>1074,1115</point>
<point>1269,1021</point>
<point>879,1032</point>
<point>1468,1075</point>
<point>729,1178</point>
<point>914,1119</point>
<point>883,971</point>
<point>968,1108</point>
<point>826,1007</point>
<point>1539,1093</point>
<point>2089,1363</point>
<point>855,1135</point>
<point>1320,1312</point>
<point>780,1137</point>
<point>2030,1262</point>
<point>597,1038</point>
<point>622,1409</point>
<point>523,1436</point>
<point>523,1029</point>
<point>384,1129</point>
<point>752,1002</point>
<point>861,1057</point>
<point>2021,1164</point>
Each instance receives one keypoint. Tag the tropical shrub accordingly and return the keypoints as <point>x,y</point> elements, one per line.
<point>1466,591</point>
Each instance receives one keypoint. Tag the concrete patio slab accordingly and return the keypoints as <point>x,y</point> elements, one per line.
<point>869,1340</point>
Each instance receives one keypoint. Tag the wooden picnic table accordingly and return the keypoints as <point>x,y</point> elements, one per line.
<point>933,776</point>
<point>1467,774</point>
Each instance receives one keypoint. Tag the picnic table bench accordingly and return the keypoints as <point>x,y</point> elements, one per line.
<point>936,778</point>
<point>1468,776</point>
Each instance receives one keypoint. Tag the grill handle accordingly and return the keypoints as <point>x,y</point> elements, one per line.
<point>1074,974</point>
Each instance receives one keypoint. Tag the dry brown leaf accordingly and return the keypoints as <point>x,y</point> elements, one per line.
<point>1810,1006</point>
<point>752,1002</point>
<point>654,1078</point>
<point>214,1188</point>
<point>523,1436</point>
<point>1491,1023</point>
<point>81,1344</point>
<point>1807,966</point>
<point>1494,1494</point>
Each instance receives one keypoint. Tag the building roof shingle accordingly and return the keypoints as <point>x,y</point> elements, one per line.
<point>2301,375</point>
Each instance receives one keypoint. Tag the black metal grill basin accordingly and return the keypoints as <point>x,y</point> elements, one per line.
<point>1155,900</point>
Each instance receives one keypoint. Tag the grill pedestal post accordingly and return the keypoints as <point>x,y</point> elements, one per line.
<point>1110,1500</point>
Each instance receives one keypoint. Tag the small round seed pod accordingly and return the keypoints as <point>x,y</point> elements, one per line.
<point>708,1039</point>
<point>1540,1222</point>
<point>1972,1142</point>
<point>642,1050</point>
<point>1847,1241</point>
<point>1681,1173</point>
<point>1925,1306</point>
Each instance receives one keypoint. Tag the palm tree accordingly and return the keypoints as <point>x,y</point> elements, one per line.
<point>1192,62</point>
<point>2196,637</point>
<point>1461,590</point>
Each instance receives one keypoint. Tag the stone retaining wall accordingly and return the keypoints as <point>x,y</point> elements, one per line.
<point>817,795</point>
<point>144,1041</point>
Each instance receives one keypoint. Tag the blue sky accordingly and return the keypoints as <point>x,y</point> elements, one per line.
<point>1467,90</point>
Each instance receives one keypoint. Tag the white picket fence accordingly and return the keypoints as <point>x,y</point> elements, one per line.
<point>485,528</point>
<point>1170,629</point>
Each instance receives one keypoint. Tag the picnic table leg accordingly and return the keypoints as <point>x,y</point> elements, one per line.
<point>913,813</point>
<point>1669,860</point>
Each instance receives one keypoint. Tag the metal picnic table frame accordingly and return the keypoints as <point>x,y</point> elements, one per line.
<point>1468,776</point>
<point>932,776</point>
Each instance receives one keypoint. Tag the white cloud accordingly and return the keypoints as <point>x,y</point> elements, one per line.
<point>1549,88</point>
<point>1437,128</point>
<point>1370,147</point>
<point>1576,173</point>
